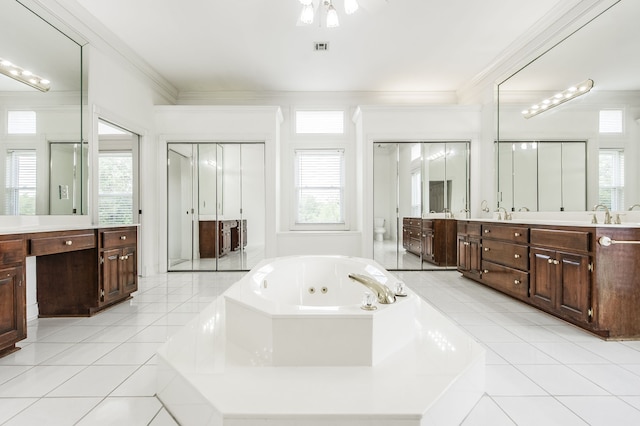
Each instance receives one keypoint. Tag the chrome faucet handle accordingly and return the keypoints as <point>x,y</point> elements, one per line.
<point>594,219</point>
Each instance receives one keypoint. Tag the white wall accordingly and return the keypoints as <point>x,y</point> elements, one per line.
<point>125,98</point>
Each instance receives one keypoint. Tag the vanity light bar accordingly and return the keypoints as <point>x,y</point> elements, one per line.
<point>559,98</point>
<point>24,76</point>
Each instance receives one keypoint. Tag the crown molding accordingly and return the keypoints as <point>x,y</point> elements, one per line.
<point>355,97</point>
<point>89,30</point>
<point>559,23</point>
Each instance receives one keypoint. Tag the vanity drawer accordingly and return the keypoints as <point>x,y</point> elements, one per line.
<point>61,243</point>
<point>561,239</point>
<point>11,251</point>
<point>516,234</point>
<point>118,237</point>
<point>513,255</point>
<point>469,228</point>
<point>505,279</point>
<point>412,222</point>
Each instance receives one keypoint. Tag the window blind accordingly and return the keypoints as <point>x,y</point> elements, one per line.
<point>21,182</point>
<point>115,196</point>
<point>319,186</point>
<point>611,179</point>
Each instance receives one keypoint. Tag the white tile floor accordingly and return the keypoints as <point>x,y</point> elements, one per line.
<point>101,370</point>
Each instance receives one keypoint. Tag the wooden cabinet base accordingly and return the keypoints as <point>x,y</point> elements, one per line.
<point>561,270</point>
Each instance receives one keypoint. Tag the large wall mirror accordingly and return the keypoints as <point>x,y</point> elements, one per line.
<point>43,160</point>
<point>418,189</point>
<point>561,158</point>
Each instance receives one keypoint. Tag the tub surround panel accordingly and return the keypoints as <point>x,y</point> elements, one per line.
<point>305,311</point>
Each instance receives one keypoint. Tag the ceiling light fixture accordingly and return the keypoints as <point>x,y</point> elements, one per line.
<point>309,10</point>
<point>559,98</point>
<point>24,76</point>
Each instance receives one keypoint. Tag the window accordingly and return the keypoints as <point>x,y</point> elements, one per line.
<point>319,184</point>
<point>115,200</point>
<point>611,121</point>
<point>21,122</point>
<point>320,122</point>
<point>21,182</point>
<point>611,184</point>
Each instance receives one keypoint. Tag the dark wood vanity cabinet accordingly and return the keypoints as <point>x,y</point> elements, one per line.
<point>562,270</point>
<point>118,264</point>
<point>468,239</point>
<point>13,312</point>
<point>505,259</point>
<point>433,239</point>
<point>412,235</point>
<point>82,272</point>
<point>78,273</point>
<point>231,236</point>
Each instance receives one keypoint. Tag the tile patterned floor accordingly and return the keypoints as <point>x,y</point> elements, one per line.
<point>101,370</point>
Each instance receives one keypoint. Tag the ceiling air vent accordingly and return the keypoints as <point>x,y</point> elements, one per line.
<point>321,46</point>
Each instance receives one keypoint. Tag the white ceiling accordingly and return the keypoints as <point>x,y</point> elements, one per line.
<point>256,46</point>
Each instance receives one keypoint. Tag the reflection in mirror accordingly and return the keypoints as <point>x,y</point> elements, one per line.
<point>117,175</point>
<point>37,119</point>
<point>605,51</point>
<point>542,176</point>
<point>216,206</point>
<point>67,165</point>
<point>418,187</point>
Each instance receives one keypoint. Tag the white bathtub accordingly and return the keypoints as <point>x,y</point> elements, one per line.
<point>306,311</point>
<point>281,355</point>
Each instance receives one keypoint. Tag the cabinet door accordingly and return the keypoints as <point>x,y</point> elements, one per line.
<point>475,247</point>
<point>111,284</point>
<point>574,287</point>
<point>128,270</point>
<point>463,253</point>
<point>543,277</point>
<point>427,244</point>
<point>12,307</point>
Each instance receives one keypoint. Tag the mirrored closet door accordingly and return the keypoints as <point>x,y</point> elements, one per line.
<point>215,207</point>
<point>419,189</point>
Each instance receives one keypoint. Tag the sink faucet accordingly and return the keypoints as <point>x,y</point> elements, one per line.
<point>383,293</point>
<point>466,213</point>
<point>607,214</point>
<point>447,213</point>
<point>507,216</point>
<point>633,206</point>
<point>523,209</point>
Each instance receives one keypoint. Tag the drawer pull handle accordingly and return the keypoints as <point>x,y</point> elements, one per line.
<point>486,231</point>
<point>466,243</point>
<point>516,256</point>
<point>124,257</point>
<point>68,242</point>
<point>516,234</point>
<point>516,282</point>
<point>486,249</point>
<point>555,262</point>
<point>114,257</point>
<point>550,260</point>
<point>123,237</point>
<point>486,271</point>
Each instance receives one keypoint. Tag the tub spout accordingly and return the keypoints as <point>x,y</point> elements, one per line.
<point>382,292</point>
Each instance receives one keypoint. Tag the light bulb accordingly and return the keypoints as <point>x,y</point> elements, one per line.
<point>332,17</point>
<point>307,14</point>
<point>350,6</point>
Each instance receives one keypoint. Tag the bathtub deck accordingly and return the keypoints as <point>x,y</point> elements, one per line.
<point>205,380</point>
